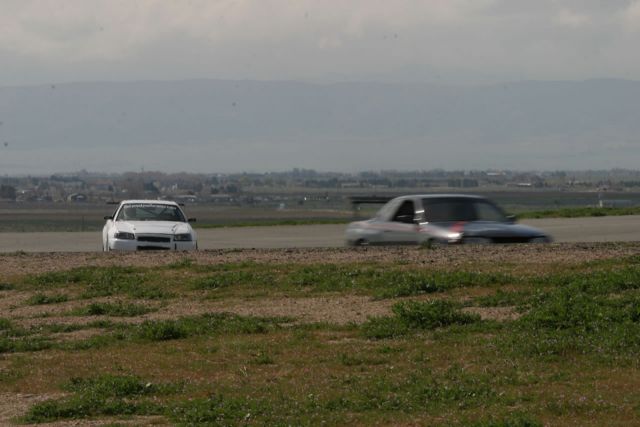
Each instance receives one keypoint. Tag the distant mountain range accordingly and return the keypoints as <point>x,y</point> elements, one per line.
<point>216,125</point>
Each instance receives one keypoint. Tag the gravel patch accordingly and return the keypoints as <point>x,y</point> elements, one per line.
<point>20,264</point>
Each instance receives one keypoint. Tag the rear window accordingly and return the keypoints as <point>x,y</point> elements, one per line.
<point>461,209</point>
<point>486,211</point>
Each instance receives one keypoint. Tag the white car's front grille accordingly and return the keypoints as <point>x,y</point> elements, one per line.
<point>154,239</point>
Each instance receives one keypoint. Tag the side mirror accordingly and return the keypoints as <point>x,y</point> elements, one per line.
<point>108,217</point>
<point>512,219</point>
<point>191,220</point>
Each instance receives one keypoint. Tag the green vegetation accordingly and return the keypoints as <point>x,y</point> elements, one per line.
<point>41,299</point>
<point>225,279</point>
<point>516,420</point>
<point>104,281</point>
<point>205,325</point>
<point>378,281</point>
<point>598,315</point>
<point>15,339</point>
<point>579,212</point>
<point>503,299</point>
<point>23,344</point>
<point>103,395</point>
<point>390,342</point>
<point>414,315</point>
<point>274,222</point>
<point>112,309</point>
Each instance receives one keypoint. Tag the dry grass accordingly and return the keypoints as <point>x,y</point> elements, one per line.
<point>293,348</point>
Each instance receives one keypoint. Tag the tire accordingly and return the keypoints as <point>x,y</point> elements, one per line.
<point>361,242</point>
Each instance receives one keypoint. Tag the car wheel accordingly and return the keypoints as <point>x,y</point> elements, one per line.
<point>361,242</point>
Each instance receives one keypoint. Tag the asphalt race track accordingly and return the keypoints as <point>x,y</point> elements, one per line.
<point>596,229</point>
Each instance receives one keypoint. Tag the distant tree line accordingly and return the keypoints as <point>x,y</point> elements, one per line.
<point>7,192</point>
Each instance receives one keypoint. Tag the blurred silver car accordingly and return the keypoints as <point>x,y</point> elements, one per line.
<point>441,219</point>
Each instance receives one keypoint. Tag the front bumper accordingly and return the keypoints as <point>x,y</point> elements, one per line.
<point>152,242</point>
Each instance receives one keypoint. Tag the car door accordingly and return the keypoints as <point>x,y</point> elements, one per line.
<point>401,227</point>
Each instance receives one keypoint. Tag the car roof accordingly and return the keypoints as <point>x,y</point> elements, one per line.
<point>149,201</point>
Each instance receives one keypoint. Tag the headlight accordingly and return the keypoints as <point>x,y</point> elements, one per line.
<point>186,237</point>
<point>454,237</point>
<point>125,236</point>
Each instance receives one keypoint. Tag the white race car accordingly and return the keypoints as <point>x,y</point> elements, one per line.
<point>147,225</point>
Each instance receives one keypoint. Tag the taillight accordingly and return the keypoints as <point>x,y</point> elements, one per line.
<point>458,227</point>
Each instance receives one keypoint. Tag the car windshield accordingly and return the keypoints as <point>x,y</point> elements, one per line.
<point>150,212</point>
<point>461,209</point>
<point>386,211</point>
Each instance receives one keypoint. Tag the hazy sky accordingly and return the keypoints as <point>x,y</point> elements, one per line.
<point>45,41</point>
<point>455,42</point>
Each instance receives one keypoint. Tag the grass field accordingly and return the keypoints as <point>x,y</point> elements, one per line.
<point>580,212</point>
<point>506,336</point>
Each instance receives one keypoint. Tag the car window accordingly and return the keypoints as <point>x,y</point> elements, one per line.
<point>486,211</point>
<point>448,209</point>
<point>150,212</point>
<point>405,213</point>
<point>386,211</point>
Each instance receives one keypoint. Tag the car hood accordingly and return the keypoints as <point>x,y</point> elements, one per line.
<point>153,227</point>
<point>356,224</point>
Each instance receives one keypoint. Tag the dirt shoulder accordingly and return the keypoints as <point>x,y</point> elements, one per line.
<point>19,264</point>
